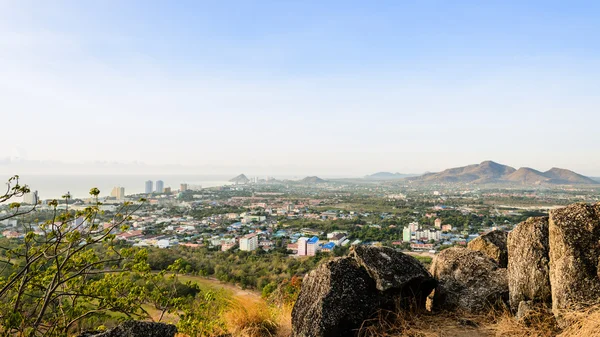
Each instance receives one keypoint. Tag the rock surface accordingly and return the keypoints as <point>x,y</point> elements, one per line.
<point>334,300</point>
<point>338,296</point>
<point>492,244</point>
<point>574,238</point>
<point>399,275</point>
<point>136,329</point>
<point>468,280</point>
<point>528,262</point>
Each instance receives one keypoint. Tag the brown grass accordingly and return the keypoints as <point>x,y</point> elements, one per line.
<point>538,323</point>
<point>584,323</point>
<point>251,319</point>
<point>425,324</point>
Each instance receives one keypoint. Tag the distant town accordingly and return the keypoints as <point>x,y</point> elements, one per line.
<point>315,216</point>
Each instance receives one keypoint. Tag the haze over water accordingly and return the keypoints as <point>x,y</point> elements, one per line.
<point>54,186</point>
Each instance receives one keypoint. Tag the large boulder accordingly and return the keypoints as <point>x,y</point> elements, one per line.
<point>574,238</point>
<point>338,296</point>
<point>492,244</point>
<point>334,300</point>
<point>528,263</point>
<point>401,277</point>
<point>468,280</point>
<point>136,329</point>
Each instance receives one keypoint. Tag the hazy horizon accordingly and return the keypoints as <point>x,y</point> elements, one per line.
<point>332,88</point>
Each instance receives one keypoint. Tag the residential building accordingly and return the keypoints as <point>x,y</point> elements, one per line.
<point>328,247</point>
<point>30,198</point>
<point>406,234</point>
<point>337,238</point>
<point>118,192</point>
<point>249,242</point>
<point>312,246</point>
<point>426,235</point>
<point>149,187</point>
<point>446,228</point>
<point>302,246</point>
<point>183,187</point>
<point>160,186</point>
<point>167,190</point>
<point>438,223</point>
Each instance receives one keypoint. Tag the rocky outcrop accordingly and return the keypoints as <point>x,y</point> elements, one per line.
<point>136,329</point>
<point>574,239</point>
<point>398,275</point>
<point>528,263</point>
<point>338,296</point>
<point>468,280</point>
<point>492,244</point>
<point>334,300</point>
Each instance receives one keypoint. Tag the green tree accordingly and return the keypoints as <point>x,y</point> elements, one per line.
<point>67,269</point>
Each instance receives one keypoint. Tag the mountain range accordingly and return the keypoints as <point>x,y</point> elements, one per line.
<point>489,172</point>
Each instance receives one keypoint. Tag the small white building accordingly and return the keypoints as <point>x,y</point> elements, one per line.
<point>164,243</point>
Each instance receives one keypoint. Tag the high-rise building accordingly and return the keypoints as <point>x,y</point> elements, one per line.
<point>406,234</point>
<point>183,187</point>
<point>30,198</point>
<point>249,242</point>
<point>167,190</point>
<point>118,192</point>
<point>160,186</point>
<point>149,187</point>
<point>302,246</point>
<point>312,246</point>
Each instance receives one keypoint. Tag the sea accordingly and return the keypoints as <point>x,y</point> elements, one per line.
<point>55,186</point>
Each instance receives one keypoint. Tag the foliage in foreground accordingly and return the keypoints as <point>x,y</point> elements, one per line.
<point>68,272</point>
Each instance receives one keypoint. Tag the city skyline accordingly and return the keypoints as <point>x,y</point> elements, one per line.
<point>335,88</point>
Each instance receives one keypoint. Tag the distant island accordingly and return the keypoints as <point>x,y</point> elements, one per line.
<point>489,172</point>
<point>241,179</point>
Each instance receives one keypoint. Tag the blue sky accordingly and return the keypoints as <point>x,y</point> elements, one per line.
<point>294,87</point>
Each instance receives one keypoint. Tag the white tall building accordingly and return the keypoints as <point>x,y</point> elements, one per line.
<point>302,246</point>
<point>149,187</point>
<point>249,242</point>
<point>160,186</point>
<point>30,198</point>
<point>428,235</point>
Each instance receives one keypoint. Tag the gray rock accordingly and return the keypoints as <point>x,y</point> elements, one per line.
<point>334,300</point>
<point>338,296</point>
<point>468,280</point>
<point>574,238</point>
<point>492,244</point>
<point>528,263</point>
<point>399,275</point>
<point>136,329</point>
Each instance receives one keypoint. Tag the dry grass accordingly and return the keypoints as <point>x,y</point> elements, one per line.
<point>425,324</point>
<point>584,323</point>
<point>251,319</point>
<point>538,323</point>
<point>283,317</point>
